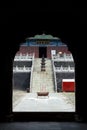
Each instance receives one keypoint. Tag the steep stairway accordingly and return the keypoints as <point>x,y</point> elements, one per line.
<point>42,80</point>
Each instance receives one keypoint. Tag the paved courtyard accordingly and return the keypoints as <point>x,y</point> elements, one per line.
<point>43,82</point>
<point>56,102</point>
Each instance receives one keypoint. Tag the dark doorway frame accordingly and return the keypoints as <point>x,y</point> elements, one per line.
<point>42,51</point>
<point>69,27</point>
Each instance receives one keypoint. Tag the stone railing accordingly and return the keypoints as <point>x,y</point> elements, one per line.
<point>21,69</point>
<point>54,75</point>
<point>31,78</point>
<point>64,57</point>
<point>23,57</point>
<point>64,69</point>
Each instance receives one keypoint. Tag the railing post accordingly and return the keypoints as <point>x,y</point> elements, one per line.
<point>55,79</point>
<point>31,78</point>
<point>54,74</point>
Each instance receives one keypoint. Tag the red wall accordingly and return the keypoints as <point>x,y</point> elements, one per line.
<point>68,86</point>
<point>49,48</point>
<point>58,49</point>
<point>33,49</point>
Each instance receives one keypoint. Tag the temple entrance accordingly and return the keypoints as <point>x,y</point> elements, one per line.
<point>42,51</point>
<point>41,81</point>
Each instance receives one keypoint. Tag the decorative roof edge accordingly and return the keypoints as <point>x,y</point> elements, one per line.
<point>43,36</point>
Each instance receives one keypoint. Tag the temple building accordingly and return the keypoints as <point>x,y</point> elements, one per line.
<point>43,45</point>
<point>59,71</point>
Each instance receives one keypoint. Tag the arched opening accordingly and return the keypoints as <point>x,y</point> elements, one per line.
<point>48,89</point>
<point>69,34</point>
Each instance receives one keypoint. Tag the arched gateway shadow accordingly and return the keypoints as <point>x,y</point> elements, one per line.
<point>10,50</point>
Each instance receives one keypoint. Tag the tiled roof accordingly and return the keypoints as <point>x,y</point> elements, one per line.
<point>43,36</point>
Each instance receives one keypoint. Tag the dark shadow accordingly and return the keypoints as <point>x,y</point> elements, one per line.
<point>21,81</point>
<point>42,51</point>
<point>70,30</point>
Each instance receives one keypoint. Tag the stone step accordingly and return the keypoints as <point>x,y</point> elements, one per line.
<point>42,78</point>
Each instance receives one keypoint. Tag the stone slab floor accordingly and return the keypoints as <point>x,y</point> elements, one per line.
<point>43,126</point>
<point>56,102</point>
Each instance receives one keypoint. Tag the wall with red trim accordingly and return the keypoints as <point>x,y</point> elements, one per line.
<point>68,86</point>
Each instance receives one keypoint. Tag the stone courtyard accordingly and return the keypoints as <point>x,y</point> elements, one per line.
<point>56,102</point>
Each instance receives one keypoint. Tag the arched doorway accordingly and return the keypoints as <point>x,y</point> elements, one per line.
<point>58,81</point>
<point>62,27</point>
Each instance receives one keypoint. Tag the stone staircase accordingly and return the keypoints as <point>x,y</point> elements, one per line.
<point>42,80</point>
